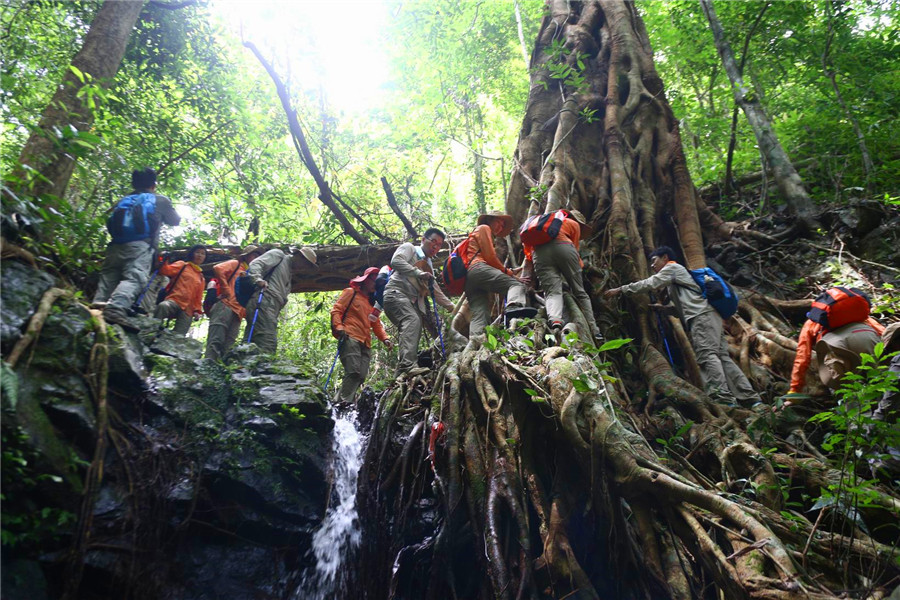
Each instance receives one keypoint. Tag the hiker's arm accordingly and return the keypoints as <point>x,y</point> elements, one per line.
<point>337,311</point>
<point>654,282</point>
<point>262,265</point>
<point>486,244</point>
<point>378,330</point>
<point>804,355</point>
<point>441,298</point>
<point>171,269</point>
<point>166,211</point>
<point>403,261</point>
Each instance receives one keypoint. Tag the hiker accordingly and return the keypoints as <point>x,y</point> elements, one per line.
<point>558,259</point>
<point>184,295</point>
<point>486,275</point>
<point>723,379</point>
<point>226,314</point>
<point>271,274</point>
<point>134,227</point>
<point>410,283</point>
<point>351,325</point>
<point>849,332</point>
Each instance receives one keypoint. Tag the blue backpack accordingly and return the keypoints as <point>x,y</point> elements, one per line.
<point>130,219</point>
<point>384,275</point>
<point>720,295</point>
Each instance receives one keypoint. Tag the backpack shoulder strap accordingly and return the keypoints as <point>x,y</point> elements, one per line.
<point>233,273</point>
<point>349,304</point>
<point>171,286</point>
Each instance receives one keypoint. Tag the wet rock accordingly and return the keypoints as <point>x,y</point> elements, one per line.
<point>21,288</point>
<point>24,580</point>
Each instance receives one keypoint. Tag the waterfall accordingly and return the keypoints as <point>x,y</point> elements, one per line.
<point>339,533</point>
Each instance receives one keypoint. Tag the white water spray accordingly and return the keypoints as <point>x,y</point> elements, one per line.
<point>339,533</point>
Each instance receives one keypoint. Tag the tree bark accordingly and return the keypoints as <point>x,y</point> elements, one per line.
<point>47,151</point>
<point>789,183</point>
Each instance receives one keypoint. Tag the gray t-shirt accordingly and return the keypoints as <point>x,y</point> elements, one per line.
<point>683,290</point>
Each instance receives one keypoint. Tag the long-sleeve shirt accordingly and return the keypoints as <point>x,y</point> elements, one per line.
<point>279,282</point>
<point>356,320</point>
<point>811,333</point>
<point>569,233</point>
<point>683,290</point>
<point>408,263</point>
<point>227,272</point>
<point>188,289</point>
<point>481,249</point>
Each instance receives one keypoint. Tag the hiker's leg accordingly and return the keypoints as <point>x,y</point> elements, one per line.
<point>265,333</point>
<point>136,258</point>
<point>551,281</point>
<point>570,266</point>
<point>352,361</point>
<point>182,323</point>
<point>167,309</point>
<point>110,273</point>
<point>737,382</point>
<point>219,318</point>
<point>706,338</point>
<point>403,314</point>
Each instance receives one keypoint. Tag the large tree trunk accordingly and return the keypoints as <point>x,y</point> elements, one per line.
<point>788,180</point>
<point>530,486</point>
<point>47,152</point>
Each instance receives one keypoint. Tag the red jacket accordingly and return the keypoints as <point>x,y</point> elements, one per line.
<point>188,290</point>
<point>356,320</point>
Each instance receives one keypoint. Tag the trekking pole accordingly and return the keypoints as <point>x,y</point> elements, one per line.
<point>437,320</point>
<point>333,364</point>
<point>255,315</point>
<point>665,339</point>
<point>137,303</point>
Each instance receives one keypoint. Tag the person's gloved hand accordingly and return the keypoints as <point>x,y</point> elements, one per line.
<point>389,344</point>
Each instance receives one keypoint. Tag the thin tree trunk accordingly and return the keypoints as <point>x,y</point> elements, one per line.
<point>46,151</point>
<point>325,193</point>
<point>522,43</point>
<point>789,183</point>
<point>868,166</point>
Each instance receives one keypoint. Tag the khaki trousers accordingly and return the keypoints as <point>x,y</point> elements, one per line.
<point>554,262</point>
<point>125,272</point>
<point>224,326</point>
<point>720,375</point>
<point>265,333</point>
<point>482,281</point>
<point>403,313</point>
<point>355,358</point>
<point>168,309</point>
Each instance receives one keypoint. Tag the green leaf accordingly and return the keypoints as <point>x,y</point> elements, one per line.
<point>77,73</point>
<point>615,344</point>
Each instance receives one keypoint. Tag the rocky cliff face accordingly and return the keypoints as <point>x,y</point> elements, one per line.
<point>209,482</point>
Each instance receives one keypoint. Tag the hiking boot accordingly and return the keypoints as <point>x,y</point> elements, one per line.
<point>598,337</point>
<point>117,316</point>
<point>99,305</point>
<point>556,327</point>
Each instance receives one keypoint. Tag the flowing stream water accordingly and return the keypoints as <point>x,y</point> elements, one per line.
<point>339,533</point>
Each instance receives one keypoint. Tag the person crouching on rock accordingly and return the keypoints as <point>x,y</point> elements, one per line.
<point>351,326</point>
<point>487,275</point>
<point>184,295</point>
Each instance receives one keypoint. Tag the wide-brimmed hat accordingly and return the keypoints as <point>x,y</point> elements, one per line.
<point>370,272</point>
<point>250,250</point>
<point>309,254</point>
<point>579,218</point>
<point>488,217</point>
